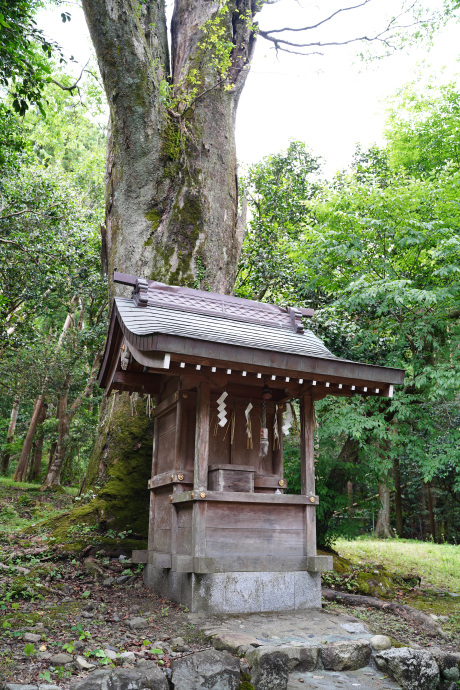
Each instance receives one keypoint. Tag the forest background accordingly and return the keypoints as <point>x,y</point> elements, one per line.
<point>374,249</point>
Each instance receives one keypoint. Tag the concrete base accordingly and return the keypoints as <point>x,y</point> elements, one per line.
<point>248,592</point>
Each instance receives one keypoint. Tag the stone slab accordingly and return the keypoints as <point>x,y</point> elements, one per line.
<point>314,627</point>
<point>365,678</point>
<point>237,592</point>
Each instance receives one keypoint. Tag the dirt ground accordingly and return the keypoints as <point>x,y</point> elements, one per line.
<point>82,603</point>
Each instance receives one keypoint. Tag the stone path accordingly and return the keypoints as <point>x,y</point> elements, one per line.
<point>365,678</point>
<point>293,628</point>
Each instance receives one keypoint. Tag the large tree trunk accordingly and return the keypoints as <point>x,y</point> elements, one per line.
<point>6,454</point>
<point>171,183</point>
<point>171,195</point>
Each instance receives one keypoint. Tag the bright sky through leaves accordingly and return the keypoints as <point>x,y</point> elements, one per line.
<point>331,102</point>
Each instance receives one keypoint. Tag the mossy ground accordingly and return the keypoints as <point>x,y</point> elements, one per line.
<point>63,599</point>
<point>422,575</point>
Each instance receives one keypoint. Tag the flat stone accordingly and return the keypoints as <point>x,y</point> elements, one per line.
<point>110,654</point>
<point>346,656</point>
<point>128,657</point>
<point>49,687</point>
<point>19,686</point>
<point>411,668</point>
<point>124,578</point>
<point>179,645</point>
<point>83,664</point>
<point>87,614</point>
<point>137,623</point>
<point>380,642</point>
<point>208,670</point>
<point>353,627</point>
<point>61,658</point>
<point>31,637</point>
<point>232,641</point>
<point>302,658</point>
<point>108,581</point>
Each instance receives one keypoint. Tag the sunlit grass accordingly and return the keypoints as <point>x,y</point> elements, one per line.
<point>29,486</point>
<point>437,564</point>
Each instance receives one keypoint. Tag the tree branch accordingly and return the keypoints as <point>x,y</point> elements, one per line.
<point>384,37</point>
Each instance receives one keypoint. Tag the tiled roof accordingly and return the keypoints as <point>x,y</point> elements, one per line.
<point>149,320</point>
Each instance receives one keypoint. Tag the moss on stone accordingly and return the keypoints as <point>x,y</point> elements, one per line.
<point>376,584</point>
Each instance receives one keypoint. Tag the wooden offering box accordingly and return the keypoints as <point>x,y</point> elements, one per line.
<point>231,478</point>
<point>224,534</point>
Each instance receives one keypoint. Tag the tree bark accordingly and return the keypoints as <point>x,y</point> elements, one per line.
<point>172,193</point>
<point>398,498</point>
<point>5,456</point>
<point>431,511</point>
<point>53,475</point>
<point>65,416</point>
<point>36,464</point>
<point>21,470</point>
<point>383,526</point>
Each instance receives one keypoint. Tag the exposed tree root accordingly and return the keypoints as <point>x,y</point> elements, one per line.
<point>409,614</point>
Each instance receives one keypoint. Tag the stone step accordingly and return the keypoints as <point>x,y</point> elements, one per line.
<point>366,678</point>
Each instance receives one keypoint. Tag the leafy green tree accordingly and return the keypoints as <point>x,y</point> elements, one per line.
<point>25,53</point>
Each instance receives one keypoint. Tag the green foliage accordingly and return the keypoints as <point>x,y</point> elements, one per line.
<point>377,253</point>
<point>278,190</point>
<point>26,53</point>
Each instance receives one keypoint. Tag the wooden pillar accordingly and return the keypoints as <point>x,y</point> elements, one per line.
<point>152,492</point>
<point>307,455</point>
<point>200,474</point>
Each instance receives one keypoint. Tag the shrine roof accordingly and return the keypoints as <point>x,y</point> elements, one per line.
<point>224,330</point>
<point>214,328</point>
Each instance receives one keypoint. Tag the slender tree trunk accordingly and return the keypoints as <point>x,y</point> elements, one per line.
<point>423,512</point>
<point>383,526</point>
<point>431,511</point>
<point>351,509</point>
<point>21,469</point>
<point>36,464</point>
<point>54,470</point>
<point>398,498</point>
<point>5,456</point>
<point>65,416</point>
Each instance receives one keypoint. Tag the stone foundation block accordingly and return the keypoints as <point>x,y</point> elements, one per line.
<point>237,592</point>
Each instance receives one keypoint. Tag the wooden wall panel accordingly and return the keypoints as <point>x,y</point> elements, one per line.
<point>184,541</point>
<point>162,540</point>
<point>263,542</point>
<point>258,516</point>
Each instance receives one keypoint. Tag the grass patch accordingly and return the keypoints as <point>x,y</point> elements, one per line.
<point>437,564</point>
<point>29,486</point>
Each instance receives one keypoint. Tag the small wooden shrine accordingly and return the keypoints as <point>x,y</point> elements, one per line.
<point>225,534</point>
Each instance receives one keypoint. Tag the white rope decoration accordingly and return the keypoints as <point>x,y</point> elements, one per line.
<point>276,435</point>
<point>247,414</point>
<point>221,406</point>
<point>288,419</point>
